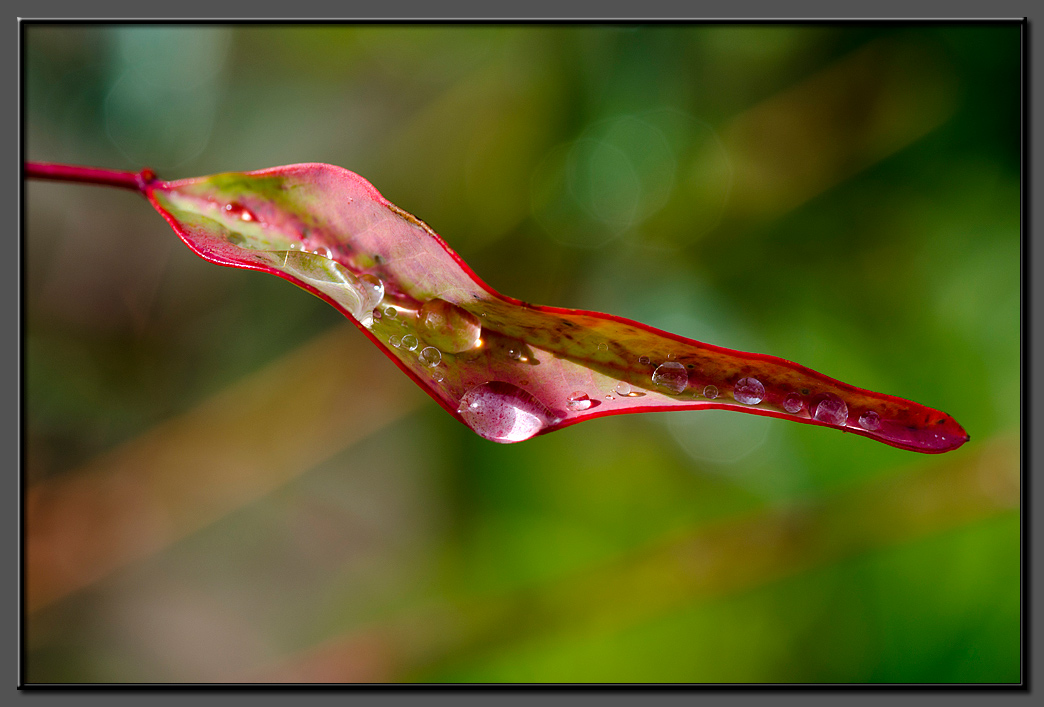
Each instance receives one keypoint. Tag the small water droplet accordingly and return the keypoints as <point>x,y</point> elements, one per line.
<point>410,342</point>
<point>503,412</point>
<point>236,209</point>
<point>390,312</point>
<point>373,282</point>
<point>323,251</point>
<point>710,392</point>
<point>376,314</point>
<point>831,410</point>
<point>437,376</point>
<point>514,353</point>
<point>792,403</point>
<point>395,341</point>
<point>870,420</point>
<point>626,390</point>
<point>578,401</point>
<point>644,360</point>
<point>609,397</point>
<point>603,347</point>
<point>430,356</point>
<point>749,391</point>
<point>672,376</point>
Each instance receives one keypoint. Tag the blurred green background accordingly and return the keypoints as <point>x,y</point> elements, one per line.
<point>843,196</point>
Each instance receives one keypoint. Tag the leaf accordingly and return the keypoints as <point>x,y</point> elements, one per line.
<point>507,369</point>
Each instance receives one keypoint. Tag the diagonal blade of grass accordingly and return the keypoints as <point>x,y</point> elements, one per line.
<point>695,566</point>
<point>868,105</point>
<point>191,470</point>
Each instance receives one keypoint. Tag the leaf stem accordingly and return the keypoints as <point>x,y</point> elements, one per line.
<point>135,181</point>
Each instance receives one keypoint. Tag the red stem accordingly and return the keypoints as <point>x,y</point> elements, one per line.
<point>135,181</point>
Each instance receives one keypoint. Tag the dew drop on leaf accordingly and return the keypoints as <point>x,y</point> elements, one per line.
<point>410,342</point>
<point>644,360</point>
<point>672,376</point>
<point>451,328</point>
<point>749,391</point>
<point>870,420</point>
<point>710,392</point>
<point>390,312</point>
<point>578,401</point>
<point>831,410</point>
<point>430,356</point>
<point>395,341</point>
<point>792,403</point>
<point>503,412</point>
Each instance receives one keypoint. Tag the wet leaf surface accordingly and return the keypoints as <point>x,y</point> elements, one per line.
<point>507,369</point>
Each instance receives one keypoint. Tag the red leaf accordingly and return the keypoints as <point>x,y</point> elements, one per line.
<point>507,369</point>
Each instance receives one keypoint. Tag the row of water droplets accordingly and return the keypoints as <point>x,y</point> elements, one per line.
<point>673,376</point>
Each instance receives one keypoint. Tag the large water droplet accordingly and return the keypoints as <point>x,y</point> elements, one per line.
<point>410,342</point>
<point>749,391</point>
<point>710,392</point>
<point>672,376</point>
<point>358,295</point>
<point>449,327</point>
<point>430,356</point>
<point>792,403</point>
<point>831,410</point>
<point>870,420</point>
<point>503,412</point>
<point>578,401</point>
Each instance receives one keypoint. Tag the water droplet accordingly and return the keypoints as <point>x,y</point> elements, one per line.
<point>609,397</point>
<point>376,314</point>
<point>627,391</point>
<point>644,360</point>
<point>372,281</point>
<point>672,376</point>
<point>390,312</point>
<point>323,252</point>
<point>870,420</point>
<point>514,353</point>
<point>503,412</point>
<point>749,391</point>
<point>236,209</point>
<point>578,401</point>
<point>395,341</point>
<point>792,403</point>
<point>451,328</point>
<point>831,410</point>
<point>437,376</point>
<point>710,392</point>
<point>410,342</point>
<point>430,356</point>
<point>603,347</point>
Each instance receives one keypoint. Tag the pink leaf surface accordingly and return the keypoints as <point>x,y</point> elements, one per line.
<point>506,369</point>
